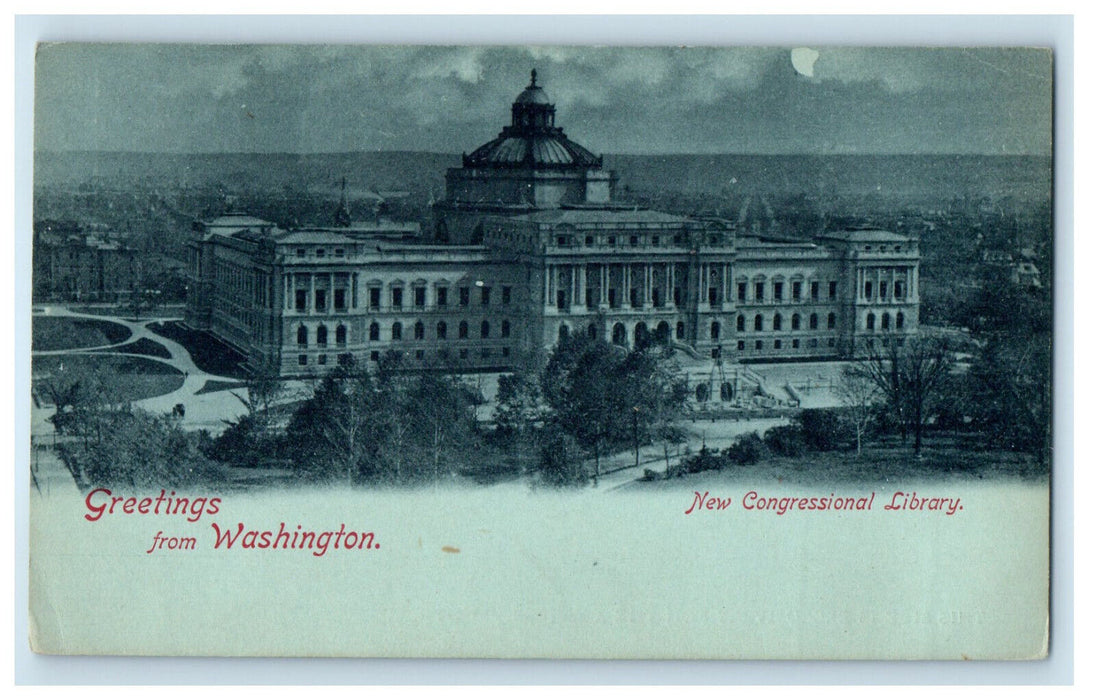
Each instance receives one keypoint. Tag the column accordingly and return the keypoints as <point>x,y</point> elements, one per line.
<point>671,277</point>
<point>547,285</point>
<point>627,279</point>
<point>354,290</point>
<point>726,296</point>
<point>311,305</point>
<point>603,301</point>
<point>581,300</point>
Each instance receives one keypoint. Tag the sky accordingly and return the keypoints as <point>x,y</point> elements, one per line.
<point>294,98</point>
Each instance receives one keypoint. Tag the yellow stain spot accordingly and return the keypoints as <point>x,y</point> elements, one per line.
<point>450,550</point>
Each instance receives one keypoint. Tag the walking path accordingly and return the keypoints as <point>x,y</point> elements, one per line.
<point>209,410</point>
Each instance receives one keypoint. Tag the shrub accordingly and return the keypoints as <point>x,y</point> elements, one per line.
<point>821,429</point>
<point>746,449</point>
<point>786,440</point>
<point>705,460</point>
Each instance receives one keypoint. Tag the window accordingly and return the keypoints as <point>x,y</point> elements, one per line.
<point>899,290</point>
<point>813,322</point>
<point>633,241</point>
<point>420,354</point>
<point>740,324</point>
<point>777,344</point>
<point>397,331</point>
<point>758,323</point>
<point>713,295</point>
<point>831,321</point>
<point>882,290</point>
<point>867,290</point>
<point>442,296</point>
<point>485,352</point>
<point>612,240</point>
<point>795,344</point>
<point>561,299</point>
<point>462,330</point>
<point>465,296</point>
<point>832,342</point>
<point>397,297</point>
<point>375,356</point>
<point>814,291</point>
<point>485,296</point>
<point>899,321</point>
<point>320,252</point>
<point>680,330</point>
<point>374,331</point>
<point>506,295</point>
<point>778,322</point>
<point>589,241</point>
<point>795,322</point>
<point>420,330</point>
<point>463,354</point>
<point>759,291</point>
<point>374,297</point>
<point>300,252</point>
<point>340,300</point>
<point>869,322</point>
<point>833,290</point>
<point>321,360</point>
<point>715,330</point>
<point>301,300</point>
<point>742,292</point>
<point>340,335</point>
<point>340,253</point>
<point>321,336</point>
<point>797,290</point>
<point>778,291</point>
<point>302,336</point>
<point>886,321</point>
<point>758,345</point>
<point>442,329</point>
<point>420,297</point>
<point>506,352</point>
<point>654,240</point>
<point>505,329</point>
<point>302,360</point>
<point>485,329</point>
<point>633,297</point>
<point>321,299</point>
<point>741,345</point>
<point>677,296</point>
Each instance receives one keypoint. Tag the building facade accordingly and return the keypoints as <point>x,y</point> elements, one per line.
<point>530,246</point>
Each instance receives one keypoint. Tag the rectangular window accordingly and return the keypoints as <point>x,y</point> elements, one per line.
<point>465,296</point>
<point>397,297</point>
<point>713,295</point>
<point>561,299</point>
<point>506,352</point>
<point>302,360</point>
<point>464,353</point>
<point>833,290</point>
<point>485,296</point>
<point>759,291</point>
<point>301,300</point>
<point>758,345</point>
<point>442,296</point>
<point>814,291</point>
<point>420,354</point>
<point>776,344</point>
<point>633,297</point>
<point>374,297</point>
<point>612,240</point>
<point>797,291</point>
<point>420,297</point>
<point>742,292</point>
<point>899,290</point>
<point>633,241</point>
<point>300,252</point>
<point>882,290</point>
<point>321,300</point>
<point>867,290</point>
<point>677,296</point>
<point>741,345</point>
<point>319,252</point>
<point>795,343</point>
<point>321,360</point>
<point>340,300</point>
<point>340,253</point>
<point>778,291</point>
<point>506,295</point>
<point>654,240</point>
<point>375,356</point>
<point>589,241</point>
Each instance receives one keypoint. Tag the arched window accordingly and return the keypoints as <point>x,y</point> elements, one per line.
<point>680,330</point>
<point>462,330</point>
<point>869,323</point>
<point>715,330</point>
<point>340,334</point>
<point>899,321</point>
<point>778,322</point>
<point>564,332</point>
<point>302,336</point>
<point>831,321</point>
<point>420,330</point>
<point>321,336</point>
<point>662,332</point>
<point>505,329</point>
<point>812,323</point>
<point>740,323</point>
<point>485,329</point>
<point>641,336</point>
<point>795,322</point>
<point>620,336</point>
<point>591,331</point>
<point>886,321</point>
<point>442,329</point>
<point>758,323</point>
<point>374,331</point>
<point>397,331</point>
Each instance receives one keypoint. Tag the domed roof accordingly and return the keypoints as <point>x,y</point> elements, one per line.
<point>532,139</point>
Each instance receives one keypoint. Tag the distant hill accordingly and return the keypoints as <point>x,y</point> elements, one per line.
<point>1027,178</point>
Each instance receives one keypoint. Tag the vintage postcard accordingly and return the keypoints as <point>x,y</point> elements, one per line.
<point>541,352</point>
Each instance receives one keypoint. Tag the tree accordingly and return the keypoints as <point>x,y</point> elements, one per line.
<point>859,393</point>
<point>518,409</point>
<point>912,377</point>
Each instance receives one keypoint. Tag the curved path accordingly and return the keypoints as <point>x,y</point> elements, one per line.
<point>209,410</point>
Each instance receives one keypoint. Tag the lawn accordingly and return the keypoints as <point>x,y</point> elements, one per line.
<point>50,333</point>
<point>209,353</point>
<point>125,378</point>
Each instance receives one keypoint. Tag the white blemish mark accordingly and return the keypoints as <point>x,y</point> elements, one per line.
<point>803,61</point>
